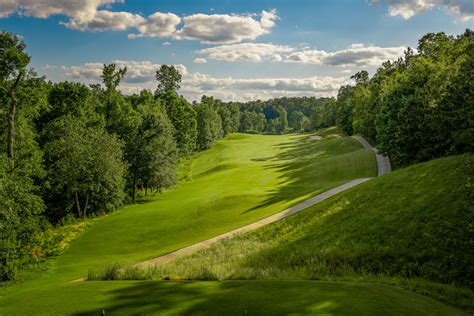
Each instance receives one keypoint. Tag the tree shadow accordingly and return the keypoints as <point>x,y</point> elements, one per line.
<point>308,167</point>
<point>224,298</point>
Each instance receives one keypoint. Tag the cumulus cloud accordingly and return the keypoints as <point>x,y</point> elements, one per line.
<point>197,84</point>
<point>141,75</point>
<point>356,55</point>
<point>158,25</point>
<point>200,60</point>
<point>104,20</point>
<point>137,71</point>
<point>246,52</point>
<point>86,15</point>
<point>225,28</point>
<point>463,9</point>
<point>83,9</point>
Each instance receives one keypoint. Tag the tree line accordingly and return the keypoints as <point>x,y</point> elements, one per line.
<point>72,150</point>
<point>419,107</point>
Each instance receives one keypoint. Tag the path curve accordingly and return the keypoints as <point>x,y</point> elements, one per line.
<point>383,166</point>
<point>383,162</point>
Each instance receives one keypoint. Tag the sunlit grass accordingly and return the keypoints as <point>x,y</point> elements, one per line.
<point>241,179</point>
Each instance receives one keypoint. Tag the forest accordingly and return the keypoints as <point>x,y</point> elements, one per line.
<point>70,151</point>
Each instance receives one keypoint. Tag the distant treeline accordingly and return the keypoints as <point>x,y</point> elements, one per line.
<point>71,150</point>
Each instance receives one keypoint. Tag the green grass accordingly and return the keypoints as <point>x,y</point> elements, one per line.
<point>412,228</point>
<point>240,180</point>
<point>226,298</point>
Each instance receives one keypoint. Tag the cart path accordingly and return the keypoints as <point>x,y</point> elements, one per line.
<point>383,167</point>
<point>267,220</point>
<point>383,162</point>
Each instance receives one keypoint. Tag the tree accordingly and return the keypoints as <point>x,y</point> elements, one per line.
<point>344,109</point>
<point>151,150</point>
<point>20,210</point>
<point>13,63</point>
<point>298,121</point>
<point>183,118</point>
<point>209,123</point>
<point>85,167</point>
<point>169,79</point>
<point>111,79</point>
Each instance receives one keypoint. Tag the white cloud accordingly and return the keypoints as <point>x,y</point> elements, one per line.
<point>463,9</point>
<point>141,75</point>
<point>137,71</point>
<point>200,60</point>
<point>225,28</point>
<point>158,25</point>
<point>246,52</point>
<point>196,84</point>
<point>85,15</point>
<point>355,55</point>
<point>83,9</point>
<point>104,20</point>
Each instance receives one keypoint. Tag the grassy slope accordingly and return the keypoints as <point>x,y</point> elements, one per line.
<point>413,223</point>
<point>229,188</point>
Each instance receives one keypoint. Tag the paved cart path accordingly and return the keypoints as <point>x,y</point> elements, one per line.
<point>267,220</point>
<point>383,163</point>
<point>383,167</point>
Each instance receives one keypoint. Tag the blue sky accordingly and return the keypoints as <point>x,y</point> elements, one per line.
<point>234,50</point>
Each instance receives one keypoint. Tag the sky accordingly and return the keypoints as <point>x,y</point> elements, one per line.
<point>231,49</point>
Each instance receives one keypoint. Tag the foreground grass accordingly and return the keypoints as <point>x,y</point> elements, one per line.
<point>412,228</point>
<point>226,298</point>
<point>243,178</point>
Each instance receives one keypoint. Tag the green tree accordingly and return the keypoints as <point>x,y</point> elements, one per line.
<point>209,123</point>
<point>169,79</point>
<point>298,121</point>
<point>111,79</point>
<point>13,63</point>
<point>20,210</point>
<point>151,150</point>
<point>183,118</point>
<point>86,170</point>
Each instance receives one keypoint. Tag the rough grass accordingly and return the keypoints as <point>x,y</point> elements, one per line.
<point>412,228</point>
<point>241,179</point>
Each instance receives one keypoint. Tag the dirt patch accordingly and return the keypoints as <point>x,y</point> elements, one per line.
<point>315,138</point>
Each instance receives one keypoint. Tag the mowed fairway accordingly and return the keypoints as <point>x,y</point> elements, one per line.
<point>241,179</point>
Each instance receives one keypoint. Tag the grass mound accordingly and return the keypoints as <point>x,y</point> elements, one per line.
<point>415,223</point>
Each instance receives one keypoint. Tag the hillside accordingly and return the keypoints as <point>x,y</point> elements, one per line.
<point>241,179</point>
<point>413,223</point>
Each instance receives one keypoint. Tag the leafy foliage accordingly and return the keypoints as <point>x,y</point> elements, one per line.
<point>419,107</point>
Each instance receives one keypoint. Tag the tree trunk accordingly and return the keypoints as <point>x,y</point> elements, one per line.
<point>78,205</point>
<point>84,214</point>
<point>11,120</point>
<point>146,189</point>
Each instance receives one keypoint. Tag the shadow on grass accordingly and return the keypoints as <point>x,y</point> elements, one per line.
<point>264,298</point>
<point>226,298</point>
<point>309,167</point>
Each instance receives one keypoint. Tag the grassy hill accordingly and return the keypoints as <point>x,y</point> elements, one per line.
<point>414,224</point>
<point>241,179</point>
<point>348,237</point>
